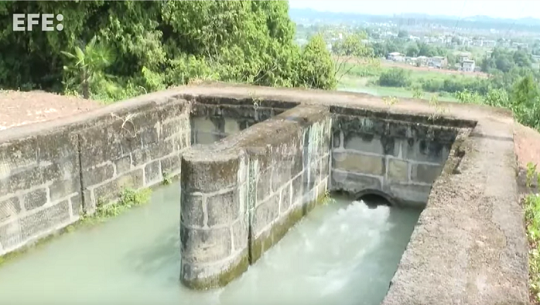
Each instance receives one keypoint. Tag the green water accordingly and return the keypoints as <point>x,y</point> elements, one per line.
<point>342,253</point>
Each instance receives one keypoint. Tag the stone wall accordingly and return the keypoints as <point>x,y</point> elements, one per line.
<point>215,119</point>
<point>52,172</point>
<point>397,159</point>
<point>241,195</point>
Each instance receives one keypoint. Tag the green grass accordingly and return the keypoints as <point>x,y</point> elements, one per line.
<point>361,84</point>
<point>532,222</point>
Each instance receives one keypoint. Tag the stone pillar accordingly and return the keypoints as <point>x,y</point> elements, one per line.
<point>213,222</point>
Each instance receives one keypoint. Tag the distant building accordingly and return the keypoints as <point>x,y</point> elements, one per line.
<point>395,56</point>
<point>438,62</point>
<point>468,65</point>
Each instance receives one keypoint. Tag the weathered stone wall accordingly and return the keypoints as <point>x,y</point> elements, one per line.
<point>241,195</point>
<point>213,120</point>
<point>52,172</point>
<point>134,150</point>
<point>397,159</point>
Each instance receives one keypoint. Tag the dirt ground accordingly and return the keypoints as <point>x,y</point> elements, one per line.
<point>20,108</point>
<point>527,145</point>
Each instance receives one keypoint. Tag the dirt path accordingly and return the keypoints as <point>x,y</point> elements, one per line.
<point>20,108</point>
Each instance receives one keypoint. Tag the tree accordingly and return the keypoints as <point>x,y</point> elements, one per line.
<point>351,48</point>
<point>315,68</point>
<point>88,66</point>
<point>403,34</point>
<point>412,50</point>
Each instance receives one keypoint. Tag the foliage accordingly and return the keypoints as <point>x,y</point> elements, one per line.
<point>348,50</point>
<point>316,68</point>
<point>532,222</point>
<point>128,198</point>
<point>395,77</point>
<point>117,49</point>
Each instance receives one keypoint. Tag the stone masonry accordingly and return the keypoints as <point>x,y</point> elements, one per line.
<point>397,159</point>
<point>241,195</point>
<point>51,173</point>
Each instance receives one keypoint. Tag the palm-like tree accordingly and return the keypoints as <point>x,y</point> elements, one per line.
<point>88,65</point>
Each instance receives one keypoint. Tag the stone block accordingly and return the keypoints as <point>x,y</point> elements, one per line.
<point>398,170</point>
<point>297,189</point>
<point>110,191</point>
<point>58,145</point>
<point>61,189</point>
<point>264,184</point>
<point>22,180</point>
<point>96,175</point>
<point>231,126</point>
<point>61,169</point>
<point>35,199</point>
<point>364,143</point>
<point>336,139</point>
<point>281,174</point>
<point>354,183</point>
<point>223,209</point>
<point>202,277</point>
<point>409,194</point>
<point>208,175</point>
<point>98,146</point>
<point>11,234</point>
<point>205,245</point>
<point>170,165</point>
<point>151,153</point>
<point>19,153</point>
<point>264,214</point>
<point>421,150</point>
<point>76,205</point>
<point>44,220</point>
<point>172,127</point>
<point>425,173</point>
<point>364,164</point>
<point>152,173</point>
<point>123,164</point>
<point>9,208</point>
<point>240,231</point>
<point>285,201</point>
<point>191,209</point>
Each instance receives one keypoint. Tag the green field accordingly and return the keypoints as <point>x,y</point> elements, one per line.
<point>361,84</point>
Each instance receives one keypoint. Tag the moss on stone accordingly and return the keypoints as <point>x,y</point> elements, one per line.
<point>222,279</point>
<point>278,231</point>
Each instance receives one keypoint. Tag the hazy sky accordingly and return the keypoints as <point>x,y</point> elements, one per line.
<point>493,8</point>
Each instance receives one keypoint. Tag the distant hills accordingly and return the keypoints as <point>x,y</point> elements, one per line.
<point>481,22</point>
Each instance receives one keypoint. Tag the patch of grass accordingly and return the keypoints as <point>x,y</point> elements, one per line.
<point>532,221</point>
<point>167,179</point>
<point>327,199</point>
<point>128,198</point>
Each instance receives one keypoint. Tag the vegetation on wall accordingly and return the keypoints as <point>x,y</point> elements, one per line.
<point>111,50</point>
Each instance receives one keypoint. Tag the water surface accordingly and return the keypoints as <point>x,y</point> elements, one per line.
<point>342,253</point>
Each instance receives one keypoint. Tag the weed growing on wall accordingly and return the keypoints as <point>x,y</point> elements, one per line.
<point>327,199</point>
<point>167,179</point>
<point>390,101</point>
<point>532,221</point>
<point>439,109</point>
<point>128,198</point>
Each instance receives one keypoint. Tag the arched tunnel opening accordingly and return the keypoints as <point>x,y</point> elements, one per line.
<point>375,198</point>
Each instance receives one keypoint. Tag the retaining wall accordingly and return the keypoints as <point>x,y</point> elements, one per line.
<point>241,195</point>
<point>50,173</point>
<point>397,159</point>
